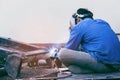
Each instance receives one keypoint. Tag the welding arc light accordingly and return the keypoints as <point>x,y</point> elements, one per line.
<point>53,52</point>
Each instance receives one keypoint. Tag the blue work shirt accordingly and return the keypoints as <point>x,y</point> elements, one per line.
<point>96,38</point>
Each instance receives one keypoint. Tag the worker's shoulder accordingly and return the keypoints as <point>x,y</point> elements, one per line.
<point>100,21</point>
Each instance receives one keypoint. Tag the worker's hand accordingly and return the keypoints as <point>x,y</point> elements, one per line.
<point>53,53</point>
<point>72,22</point>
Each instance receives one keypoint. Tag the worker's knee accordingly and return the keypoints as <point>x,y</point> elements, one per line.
<point>62,53</point>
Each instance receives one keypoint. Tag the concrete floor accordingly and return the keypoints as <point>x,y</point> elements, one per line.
<point>107,76</point>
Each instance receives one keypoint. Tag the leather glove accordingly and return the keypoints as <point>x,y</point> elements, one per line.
<point>53,53</point>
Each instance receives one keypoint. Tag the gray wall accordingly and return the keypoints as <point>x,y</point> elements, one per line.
<point>48,20</point>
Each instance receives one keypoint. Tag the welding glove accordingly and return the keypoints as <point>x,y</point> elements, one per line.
<point>53,53</point>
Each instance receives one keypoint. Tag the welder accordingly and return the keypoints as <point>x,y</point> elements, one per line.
<point>93,47</point>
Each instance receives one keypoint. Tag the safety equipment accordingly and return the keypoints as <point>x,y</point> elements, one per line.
<point>76,15</point>
<point>53,53</point>
<point>81,16</point>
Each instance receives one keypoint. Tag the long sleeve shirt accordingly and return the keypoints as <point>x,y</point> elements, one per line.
<point>97,39</point>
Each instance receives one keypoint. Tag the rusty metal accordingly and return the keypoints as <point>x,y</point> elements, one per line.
<point>56,64</point>
<point>16,53</point>
<point>13,65</point>
<point>64,75</point>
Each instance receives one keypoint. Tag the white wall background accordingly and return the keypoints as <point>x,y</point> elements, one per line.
<point>44,21</point>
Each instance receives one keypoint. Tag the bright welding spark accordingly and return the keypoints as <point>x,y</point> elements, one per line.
<point>54,48</point>
<point>53,51</point>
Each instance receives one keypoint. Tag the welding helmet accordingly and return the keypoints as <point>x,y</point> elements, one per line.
<point>81,13</point>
